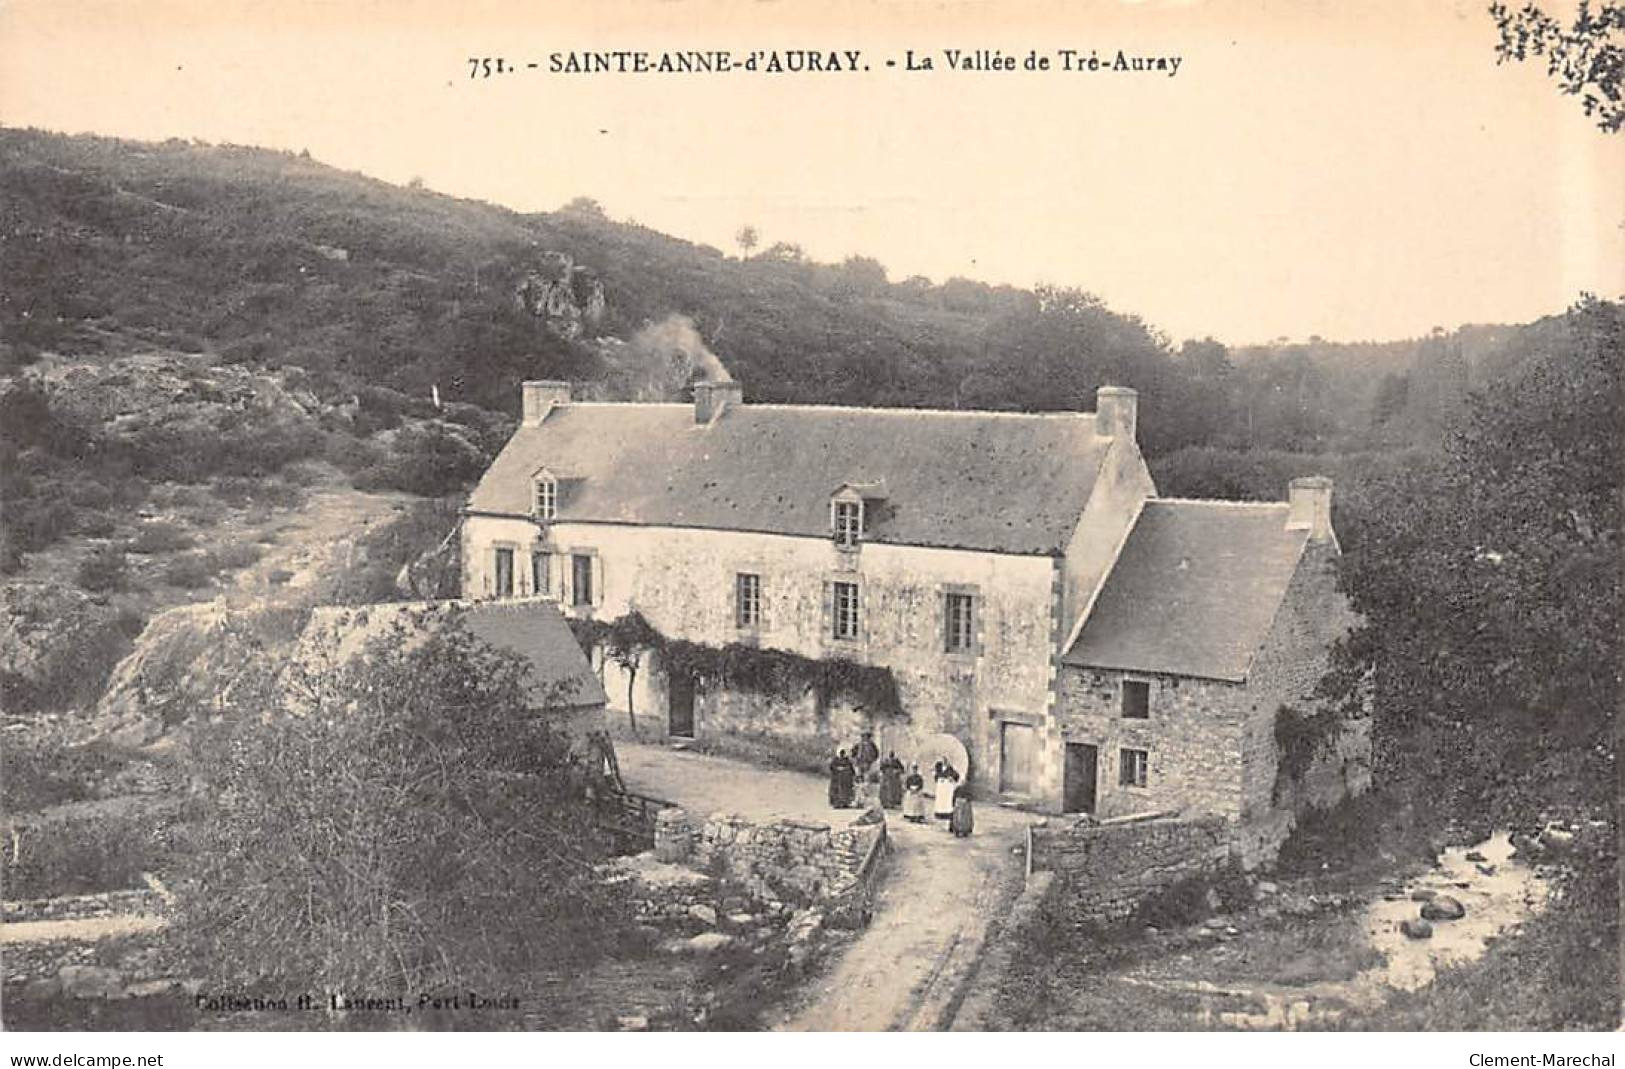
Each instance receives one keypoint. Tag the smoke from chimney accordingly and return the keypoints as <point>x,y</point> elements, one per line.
<point>658,363</point>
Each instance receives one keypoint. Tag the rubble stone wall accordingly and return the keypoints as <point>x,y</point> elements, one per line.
<point>784,861</point>
<point>1105,870</point>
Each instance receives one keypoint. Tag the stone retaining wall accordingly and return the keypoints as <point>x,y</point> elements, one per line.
<point>787,860</point>
<point>80,907</point>
<point>1109,868</point>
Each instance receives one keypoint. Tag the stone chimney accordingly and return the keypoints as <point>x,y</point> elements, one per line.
<point>711,398</point>
<point>1309,506</point>
<point>541,397</point>
<point>1116,409</point>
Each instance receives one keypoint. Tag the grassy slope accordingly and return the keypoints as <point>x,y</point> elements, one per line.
<point>113,245</point>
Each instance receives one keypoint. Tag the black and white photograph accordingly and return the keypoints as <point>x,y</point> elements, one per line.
<point>765,516</point>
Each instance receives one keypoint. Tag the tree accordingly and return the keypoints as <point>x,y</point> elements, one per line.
<point>585,206</point>
<point>1489,583</point>
<point>747,239</point>
<point>396,821</point>
<point>629,637</point>
<point>860,276</point>
<point>1587,57</point>
<point>1393,393</point>
<point>785,252</point>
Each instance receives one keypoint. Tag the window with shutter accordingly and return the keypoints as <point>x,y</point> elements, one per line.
<point>846,622</point>
<point>747,600</point>
<point>581,586</point>
<point>959,615</point>
<point>504,573</point>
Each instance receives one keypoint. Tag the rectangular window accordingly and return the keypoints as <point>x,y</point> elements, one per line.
<point>580,579</point>
<point>504,576</point>
<point>846,610</point>
<point>747,600</point>
<point>541,568</point>
<point>1133,767</point>
<point>960,614</point>
<point>848,523</point>
<point>1136,699</point>
<point>547,499</point>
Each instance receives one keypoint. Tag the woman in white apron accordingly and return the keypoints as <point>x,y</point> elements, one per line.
<point>947,778</point>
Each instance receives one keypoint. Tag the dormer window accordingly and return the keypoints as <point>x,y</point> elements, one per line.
<point>846,520</point>
<point>545,499</point>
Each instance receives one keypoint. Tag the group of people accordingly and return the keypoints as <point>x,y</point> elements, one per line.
<point>949,799</point>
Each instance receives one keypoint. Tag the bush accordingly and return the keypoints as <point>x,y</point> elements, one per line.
<point>430,461</point>
<point>106,852</point>
<point>104,569</point>
<point>94,525</point>
<point>388,548</point>
<point>39,769</point>
<point>1369,831</point>
<point>1191,899</point>
<point>161,537</point>
<point>233,556</point>
<point>189,572</point>
<point>415,829</point>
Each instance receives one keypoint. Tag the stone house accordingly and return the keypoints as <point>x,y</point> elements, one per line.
<point>963,551</point>
<point>1214,616</point>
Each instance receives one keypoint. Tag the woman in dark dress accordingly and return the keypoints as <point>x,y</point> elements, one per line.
<point>963,821</point>
<point>915,804</point>
<point>842,780</point>
<point>865,754</point>
<point>891,782</point>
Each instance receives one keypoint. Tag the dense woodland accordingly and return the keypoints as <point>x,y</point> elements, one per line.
<point>1477,469</point>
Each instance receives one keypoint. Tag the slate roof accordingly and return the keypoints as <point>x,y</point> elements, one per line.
<point>532,628</point>
<point>999,482</point>
<point>1193,591</point>
<point>536,630</point>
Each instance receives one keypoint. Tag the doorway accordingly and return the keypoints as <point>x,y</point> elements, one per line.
<point>680,705</point>
<point>1018,748</point>
<point>1081,761</point>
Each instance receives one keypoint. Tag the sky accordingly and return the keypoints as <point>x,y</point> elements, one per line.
<point>1356,171</point>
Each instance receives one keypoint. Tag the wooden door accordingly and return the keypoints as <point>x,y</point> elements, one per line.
<point>1018,751</point>
<point>1081,762</point>
<point>680,705</point>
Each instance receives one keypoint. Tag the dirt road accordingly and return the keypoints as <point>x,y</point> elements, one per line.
<point>906,971</point>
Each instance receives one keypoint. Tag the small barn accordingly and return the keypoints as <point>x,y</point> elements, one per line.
<point>566,689</point>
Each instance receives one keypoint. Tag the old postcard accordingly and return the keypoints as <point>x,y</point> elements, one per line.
<point>864,516</point>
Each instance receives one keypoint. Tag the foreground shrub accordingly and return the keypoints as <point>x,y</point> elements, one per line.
<point>398,822</point>
<point>39,769</point>
<point>103,852</point>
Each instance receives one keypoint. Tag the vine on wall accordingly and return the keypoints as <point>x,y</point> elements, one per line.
<point>1301,737</point>
<point>777,673</point>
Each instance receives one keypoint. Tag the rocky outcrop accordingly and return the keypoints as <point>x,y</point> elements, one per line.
<point>566,297</point>
<point>57,644</point>
<point>191,661</point>
<point>174,396</point>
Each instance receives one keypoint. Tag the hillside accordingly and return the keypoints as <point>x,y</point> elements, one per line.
<point>270,259</point>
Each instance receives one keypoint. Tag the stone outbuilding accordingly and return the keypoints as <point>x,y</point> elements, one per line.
<point>564,687</point>
<point>1216,621</point>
